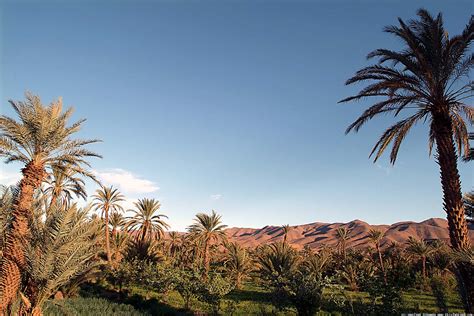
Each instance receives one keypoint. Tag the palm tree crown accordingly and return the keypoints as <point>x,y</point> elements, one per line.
<point>108,199</point>
<point>63,183</point>
<point>42,137</point>
<point>206,229</point>
<point>424,77</point>
<point>145,224</point>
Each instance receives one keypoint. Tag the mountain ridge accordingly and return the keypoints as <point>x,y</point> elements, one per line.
<point>318,234</point>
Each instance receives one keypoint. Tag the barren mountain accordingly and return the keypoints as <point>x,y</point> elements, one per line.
<point>315,235</point>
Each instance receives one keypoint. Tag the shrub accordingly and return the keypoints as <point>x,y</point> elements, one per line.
<point>188,284</point>
<point>305,291</point>
<point>439,289</point>
<point>214,290</point>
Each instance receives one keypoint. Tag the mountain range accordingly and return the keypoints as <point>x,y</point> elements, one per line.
<point>315,235</point>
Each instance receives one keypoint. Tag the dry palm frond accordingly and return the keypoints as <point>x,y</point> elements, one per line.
<point>62,250</point>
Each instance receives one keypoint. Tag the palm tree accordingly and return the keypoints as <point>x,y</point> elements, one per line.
<point>376,237</point>
<point>120,242</point>
<point>40,139</point>
<point>426,78</point>
<point>317,262</point>
<point>237,263</point>
<point>175,243</point>
<point>286,229</point>
<point>419,248</point>
<point>63,183</point>
<point>145,224</point>
<point>207,229</point>
<point>342,235</point>
<point>117,222</point>
<point>277,260</point>
<point>108,200</point>
<point>61,251</point>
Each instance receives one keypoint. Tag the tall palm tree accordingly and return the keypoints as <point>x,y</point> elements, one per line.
<point>145,224</point>
<point>207,229</point>
<point>376,237</point>
<point>342,235</point>
<point>425,79</point>
<point>63,183</point>
<point>420,249</point>
<point>40,139</point>
<point>237,263</point>
<point>286,229</point>
<point>108,199</point>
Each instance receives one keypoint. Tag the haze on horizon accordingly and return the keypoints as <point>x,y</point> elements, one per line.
<point>227,105</point>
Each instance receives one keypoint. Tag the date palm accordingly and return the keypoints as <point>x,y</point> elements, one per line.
<point>425,80</point>
<point>237,263</point>
<point>342,235</point>
<point>175,243</point>
<point>63,183</point>
<point>285,229</point>
<point>376,237</point>
<point>61,251</point>
<point>207,229</point>
<point>40,139</point>
<point>420,249</point>
<point>120,242</point>
<point>108,199</point>
<point>146,224</point>
<point>276,261</point>
<point>117,222</point>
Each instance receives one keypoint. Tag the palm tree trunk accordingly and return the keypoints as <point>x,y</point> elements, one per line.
<point>238,281</point>
<point>381,263</point>
<point>423,267</point>
<point>13,261</point>
<point>107,236</point>
<point>452,198</point>
<point>206,258</point>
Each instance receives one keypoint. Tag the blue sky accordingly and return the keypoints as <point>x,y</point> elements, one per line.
<point>227,105</point>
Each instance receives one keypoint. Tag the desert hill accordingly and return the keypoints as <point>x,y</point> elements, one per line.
<point>315,235</point>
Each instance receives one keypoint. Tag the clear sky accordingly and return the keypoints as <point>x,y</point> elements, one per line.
<point>227,105</point>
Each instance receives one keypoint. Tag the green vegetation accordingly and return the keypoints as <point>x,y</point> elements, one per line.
<point>57,258</point>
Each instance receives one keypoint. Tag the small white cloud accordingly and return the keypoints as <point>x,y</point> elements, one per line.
<point>216,197</point>
<point>9,178</point>
<point>126,181</point>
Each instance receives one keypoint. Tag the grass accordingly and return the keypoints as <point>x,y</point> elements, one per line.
<point>89,306</point>
<point>252,299</point>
